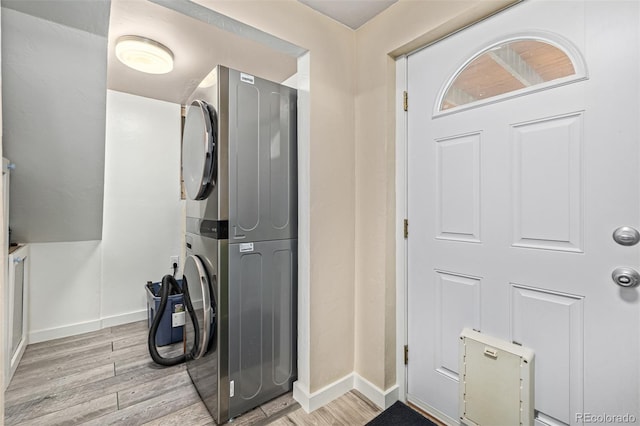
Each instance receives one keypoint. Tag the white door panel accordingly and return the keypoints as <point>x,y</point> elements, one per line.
<point>512,205</point>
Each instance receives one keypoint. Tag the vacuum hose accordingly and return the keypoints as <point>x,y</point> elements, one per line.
<point>169,282</point>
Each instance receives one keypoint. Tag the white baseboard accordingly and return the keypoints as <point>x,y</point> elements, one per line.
<point>321,397</point>
<point>310,402</point>
<point>383,399</point>
<point>85,327</point>
<point>123,318</point>
<point>63,331</point>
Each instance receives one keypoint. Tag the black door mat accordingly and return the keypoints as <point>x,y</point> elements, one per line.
<point>400,414</point>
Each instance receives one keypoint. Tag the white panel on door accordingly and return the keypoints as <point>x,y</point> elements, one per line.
<point>458,307</point>
<point>547,187</point>
<point>552,325</point>
<point>458,188</point>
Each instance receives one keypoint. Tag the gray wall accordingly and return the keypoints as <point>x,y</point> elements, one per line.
<point>54,109</point>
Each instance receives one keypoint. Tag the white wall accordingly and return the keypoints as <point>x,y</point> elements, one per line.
<point>83,286</point>
<point>54,119</point>
<point>64,289</point>
<point>142,208</point>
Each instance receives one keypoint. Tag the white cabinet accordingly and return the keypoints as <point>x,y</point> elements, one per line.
<point>15,320</point>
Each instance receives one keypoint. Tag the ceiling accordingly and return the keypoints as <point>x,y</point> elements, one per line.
<point>352,13</point>
<point>198,46</point>
<point>193,33</point>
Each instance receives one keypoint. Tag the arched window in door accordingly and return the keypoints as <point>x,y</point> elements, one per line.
<point>509,68</point>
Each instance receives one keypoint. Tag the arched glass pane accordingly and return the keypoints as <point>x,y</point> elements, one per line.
<point>507,67</point>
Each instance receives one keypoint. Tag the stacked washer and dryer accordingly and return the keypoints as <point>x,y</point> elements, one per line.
<point>239,167</point>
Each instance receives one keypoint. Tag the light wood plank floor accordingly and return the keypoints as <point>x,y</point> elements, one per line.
<point>107,378</point>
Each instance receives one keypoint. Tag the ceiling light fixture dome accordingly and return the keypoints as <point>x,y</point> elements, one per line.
<point>144,54</point>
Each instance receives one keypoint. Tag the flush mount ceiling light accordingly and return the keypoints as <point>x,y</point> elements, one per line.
<point>144,55</point>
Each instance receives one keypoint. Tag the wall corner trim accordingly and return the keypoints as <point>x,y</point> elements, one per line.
<point>312,401</point>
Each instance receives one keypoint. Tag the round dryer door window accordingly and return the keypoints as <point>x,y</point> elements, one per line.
<point>199,292</point>
<point>199,150</point>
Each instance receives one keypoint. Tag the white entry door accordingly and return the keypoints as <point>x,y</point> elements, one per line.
<point>521,164</point>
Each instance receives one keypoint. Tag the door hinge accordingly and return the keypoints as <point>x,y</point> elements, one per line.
<point>406,354</point>
<point>406,228</point>
<point>405,100</point>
